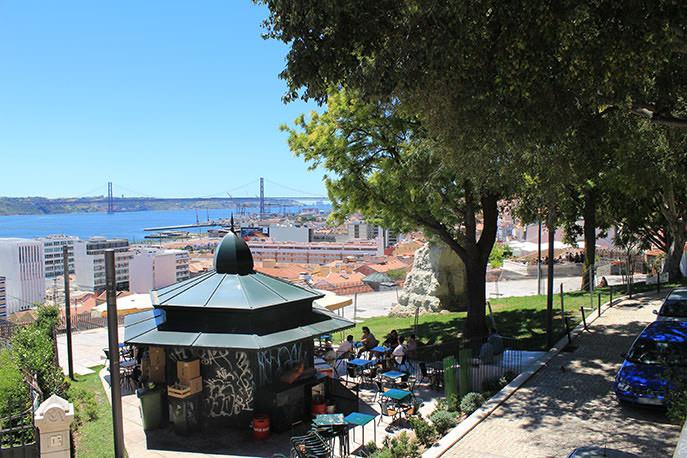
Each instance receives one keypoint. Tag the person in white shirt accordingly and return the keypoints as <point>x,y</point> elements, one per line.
<point>399,351</point>
<point>345,347</point>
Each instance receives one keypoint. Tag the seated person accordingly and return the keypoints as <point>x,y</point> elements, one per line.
<point>412,343</point>
<point>329,353</point>
<point>345,348</point>
<point>486,353</point>
<point>496,342</point>
<point>392,340</point>
<point>399,352</point>
<point>368,340</point>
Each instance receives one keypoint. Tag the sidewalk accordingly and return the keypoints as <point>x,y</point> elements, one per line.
<point>570,402</point>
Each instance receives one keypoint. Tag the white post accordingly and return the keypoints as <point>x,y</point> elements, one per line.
<point>53,418</point>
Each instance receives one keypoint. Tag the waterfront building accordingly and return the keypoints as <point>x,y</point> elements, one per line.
<point>154,268</point>
<point>3,300</point>
<point>21,263</point>
<point>313,252</point>
<point>53,256</point>
<point>89,263</point>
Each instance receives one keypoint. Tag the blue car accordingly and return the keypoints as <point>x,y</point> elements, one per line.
<point>640,380</point>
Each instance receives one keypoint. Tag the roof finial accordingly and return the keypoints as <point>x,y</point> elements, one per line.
<point>232,223</point>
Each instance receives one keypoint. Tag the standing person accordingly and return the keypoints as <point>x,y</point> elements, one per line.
<point>496,342</point>
<point>368,340</point>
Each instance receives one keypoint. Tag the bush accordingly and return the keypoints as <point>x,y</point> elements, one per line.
<point>443,421</point>
<point>424,432</point>
<point>471,402</point>
<point>676,397</point>
<point>14,394</point>
<point>495,384</point>
<point>397,447</point>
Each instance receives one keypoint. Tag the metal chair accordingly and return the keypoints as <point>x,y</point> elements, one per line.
<point>428,373</point>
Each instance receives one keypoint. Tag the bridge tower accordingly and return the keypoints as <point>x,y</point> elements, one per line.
<point>262,197</point>
<point>110,199</point>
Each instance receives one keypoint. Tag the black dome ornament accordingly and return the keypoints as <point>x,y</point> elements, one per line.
<point>233,255</point>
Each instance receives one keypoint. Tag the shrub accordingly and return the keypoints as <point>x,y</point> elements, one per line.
<point>676,397</point>
<point>495,384</point>
<point>443,421</point>
<point>400,446</point>
<point>424,432</point>
<point>85,406</point>
<point>14,394</point>
<point>471,402</point>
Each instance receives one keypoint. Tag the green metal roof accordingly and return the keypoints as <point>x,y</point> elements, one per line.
<point>232,291</point>
<point>233,256</point>
<point>143,328</point>
<point>378,277</point>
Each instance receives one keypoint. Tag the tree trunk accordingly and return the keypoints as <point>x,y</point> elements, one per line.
<point>589,215</point>
<point>476,323</point>
<point>549,290</point>
<point>672,264</point>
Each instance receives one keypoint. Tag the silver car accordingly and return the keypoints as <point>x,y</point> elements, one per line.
<point>674,306</point>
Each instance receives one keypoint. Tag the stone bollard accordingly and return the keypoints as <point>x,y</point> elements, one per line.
<point>53,418</point>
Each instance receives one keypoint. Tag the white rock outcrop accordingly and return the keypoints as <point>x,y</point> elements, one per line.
<point>436,281</point>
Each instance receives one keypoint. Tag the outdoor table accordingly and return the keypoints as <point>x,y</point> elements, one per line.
<point>333,425</point>
<point>397,395</point>
<point>381,350</point>
<point>361,419</point>
<point>358,364</point>
<point>393,375</point>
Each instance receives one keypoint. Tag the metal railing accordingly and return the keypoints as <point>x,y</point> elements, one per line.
<point>18,433</point>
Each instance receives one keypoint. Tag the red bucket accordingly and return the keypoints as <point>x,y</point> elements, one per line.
<point>318,407</point>
<point>261,427</point>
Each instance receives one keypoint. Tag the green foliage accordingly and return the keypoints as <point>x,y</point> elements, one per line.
<point>450,382</point>
<point>397,274</point>
<point>85,406</point>
<point>471,402</point>
<point>400,446</point>
<point>33,352</point>
<point>676,398</point>
<point>499,252</point>
<point>443,421</point>
<point>494,384</point>
<point>14,394</point>
<point>94,425</point>
<point>425,432</point>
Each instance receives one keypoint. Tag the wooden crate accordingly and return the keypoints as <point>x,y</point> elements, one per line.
<point>157,374</point>
<point>180,390</point>
<point>187,370</point>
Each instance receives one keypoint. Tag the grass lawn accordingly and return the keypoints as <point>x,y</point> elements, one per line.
<point>520,317</point>
<point>94,438</point>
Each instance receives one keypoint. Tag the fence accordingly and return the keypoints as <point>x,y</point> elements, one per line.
<point>17,432</point>
<point>484,366</point>
<point>84,322</point>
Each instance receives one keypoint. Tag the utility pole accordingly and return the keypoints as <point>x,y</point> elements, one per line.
<point>67,310</point>
<point>539,258</point>
<point>113,344</point>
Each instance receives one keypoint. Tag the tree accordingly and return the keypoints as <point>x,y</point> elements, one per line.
<point>382,162</point>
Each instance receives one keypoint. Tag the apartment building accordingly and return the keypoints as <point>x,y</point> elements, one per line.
<point>89,263</point>
<point>22,266</point>
<point>53,255</point>
<point>3,300</point>
<point>361,230</point>
<point>313,252</point>
<point>154,268</point>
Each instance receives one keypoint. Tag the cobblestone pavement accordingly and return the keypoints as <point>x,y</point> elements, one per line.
<point>570,402</point>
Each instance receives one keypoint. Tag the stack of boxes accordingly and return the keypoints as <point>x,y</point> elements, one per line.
<point>153,367</point>
<point>190,381</point>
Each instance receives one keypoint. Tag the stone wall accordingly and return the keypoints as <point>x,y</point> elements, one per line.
<point>437,281</point>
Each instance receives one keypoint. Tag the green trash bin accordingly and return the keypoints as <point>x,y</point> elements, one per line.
<point>153,410</point>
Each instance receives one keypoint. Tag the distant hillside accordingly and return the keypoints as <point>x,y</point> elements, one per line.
<point>42,205</point>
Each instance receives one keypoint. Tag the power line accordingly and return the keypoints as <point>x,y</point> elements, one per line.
<point>292,189</point>
<point>135,192</point>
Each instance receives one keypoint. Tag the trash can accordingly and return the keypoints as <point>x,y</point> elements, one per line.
<point>186,414</point>
<point>153,409</point>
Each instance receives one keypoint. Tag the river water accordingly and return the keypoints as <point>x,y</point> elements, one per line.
<point>128,225</point>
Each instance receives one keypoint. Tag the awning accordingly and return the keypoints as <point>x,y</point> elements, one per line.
<point>332,301</point>
<point>143,329</point>
<point>126,305</point>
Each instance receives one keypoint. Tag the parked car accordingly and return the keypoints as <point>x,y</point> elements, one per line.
<point>592,451</point>
<point>661,345</point>
<point>674,306</point>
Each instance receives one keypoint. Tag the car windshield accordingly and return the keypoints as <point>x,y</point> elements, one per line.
<point>647,351</point>
<point>675,309</point>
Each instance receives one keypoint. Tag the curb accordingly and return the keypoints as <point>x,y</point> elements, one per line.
<point>465,426</point>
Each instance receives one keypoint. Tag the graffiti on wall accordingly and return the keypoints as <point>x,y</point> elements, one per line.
<point>227,380</point>
<point>274,362</point>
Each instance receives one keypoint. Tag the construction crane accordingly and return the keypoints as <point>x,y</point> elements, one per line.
<point>240,208</point>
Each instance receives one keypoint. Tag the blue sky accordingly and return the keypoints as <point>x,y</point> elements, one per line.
<point>162,98</point>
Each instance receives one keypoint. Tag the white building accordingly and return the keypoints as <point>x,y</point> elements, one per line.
<point>3,300</point>
<point>89,263</point>
<point>53,255</point>
<point>21,263</point>
<point>291,234</point>
<point>361,230</point>
<point>154,268</point>
<point>314,252</point>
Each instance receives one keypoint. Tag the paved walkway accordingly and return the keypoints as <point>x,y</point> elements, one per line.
<point>570,402</point>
